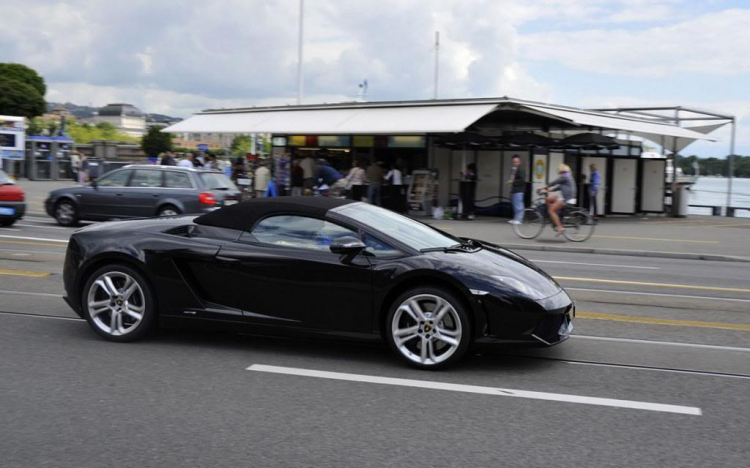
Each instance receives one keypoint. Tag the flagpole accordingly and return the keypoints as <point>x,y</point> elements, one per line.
<point>299,51</point>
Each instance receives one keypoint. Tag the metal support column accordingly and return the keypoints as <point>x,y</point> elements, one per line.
<point>731,163</point>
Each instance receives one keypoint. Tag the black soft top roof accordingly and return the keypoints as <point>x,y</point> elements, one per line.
<point>244,215</point>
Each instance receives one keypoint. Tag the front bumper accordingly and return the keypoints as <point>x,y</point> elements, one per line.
<point>517,320</point>
<point>12,210</point>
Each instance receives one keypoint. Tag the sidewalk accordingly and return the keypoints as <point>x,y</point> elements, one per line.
<point>695,237</point>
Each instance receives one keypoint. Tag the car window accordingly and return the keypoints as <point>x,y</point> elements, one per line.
<point>173,179</point>
<point>217,181</point>
<point>114,179</point>
<point>146,178</point>
<point>379,248</point>
<point>299,231</point>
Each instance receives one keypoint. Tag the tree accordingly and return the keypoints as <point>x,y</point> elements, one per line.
<point>155,142</point>
<point>240,146</point>
<point>20,99</point>
<point>24,74</point>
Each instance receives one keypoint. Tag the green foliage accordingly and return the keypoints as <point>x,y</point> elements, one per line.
<point>24,74</point>
<point>240,145</point>
<point>80,132</point>
<point>716,166</point>
<point>155,142</point>
<point>20,99</point>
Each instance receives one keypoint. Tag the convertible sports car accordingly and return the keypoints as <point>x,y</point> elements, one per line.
<point>313,266</point>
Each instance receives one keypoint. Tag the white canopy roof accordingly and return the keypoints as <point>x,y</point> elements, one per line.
<point>413,118</point>
<point>332,121</point>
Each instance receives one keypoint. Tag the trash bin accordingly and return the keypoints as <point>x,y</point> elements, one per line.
<point>681,200</point>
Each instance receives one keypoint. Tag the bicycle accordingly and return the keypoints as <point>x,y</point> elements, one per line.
<point>577,222</point>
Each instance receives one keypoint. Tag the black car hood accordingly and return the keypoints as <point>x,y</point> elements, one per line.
<point>487,262</point>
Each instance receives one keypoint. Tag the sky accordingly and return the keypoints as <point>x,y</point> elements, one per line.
<point>178,57</point>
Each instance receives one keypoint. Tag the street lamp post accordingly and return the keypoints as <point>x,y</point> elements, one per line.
<point>299,51</point>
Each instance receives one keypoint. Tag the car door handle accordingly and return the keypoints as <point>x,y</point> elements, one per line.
<point>222,258</point>
<point>118,194</point>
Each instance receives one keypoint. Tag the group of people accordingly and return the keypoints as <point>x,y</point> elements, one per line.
<point>203,161</point>
<point>564,183</point>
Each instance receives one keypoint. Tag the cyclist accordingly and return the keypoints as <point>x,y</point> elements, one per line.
<point>567,187</point>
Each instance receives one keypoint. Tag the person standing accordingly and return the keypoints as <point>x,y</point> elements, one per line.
<point>309,171</point>
<point>188,161</point>
<point>517,189</point>
<point>83,170</point>
<point>168,159</point>
<point>375,178</point>
<point>262,178</point>
<point>298,178</point>
<point>75,165</point>
<point>355,181</point>
<point>596,182</point>
<point>468,189</point>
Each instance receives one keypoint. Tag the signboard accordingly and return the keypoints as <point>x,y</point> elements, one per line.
<point>421,191</point>
<point>12,137</point>
<point>203,147</point>
<point>539,173</point>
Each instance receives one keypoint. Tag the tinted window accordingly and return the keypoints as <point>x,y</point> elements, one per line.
<point>299,231</point>
<point>379,248</point>
<point>146,178</point>
<point>401,228</point>
<point>114,179</point>
<point>217,181</point>
<point>177,180</point>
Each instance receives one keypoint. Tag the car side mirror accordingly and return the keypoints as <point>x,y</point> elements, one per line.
<point>348,247</point>
<point>94,184</point>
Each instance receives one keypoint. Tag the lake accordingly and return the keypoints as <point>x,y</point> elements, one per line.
<point>713,191</point>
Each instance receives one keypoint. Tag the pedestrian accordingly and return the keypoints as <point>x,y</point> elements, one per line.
<point>327,177</point>
<point>468,190</point>
<point>75,165</point>
<point>375,178</point>
<point>308,170</point>
<point>395,190</point>
<point>168,159</point>
<point>298,178</point>
<point>262,178</point>
<point>517,183</point>
<point>355,181</point>
<point>83,170</point>
<point>188,161</point>
<point>596,182</point>
<point>209,162</point>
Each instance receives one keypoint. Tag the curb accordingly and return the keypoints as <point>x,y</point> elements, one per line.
<point>630,253</point>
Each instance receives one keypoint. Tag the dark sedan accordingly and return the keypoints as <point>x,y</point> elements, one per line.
<point>12,201</point>
<point>313,266</point>
<point>140,191</point>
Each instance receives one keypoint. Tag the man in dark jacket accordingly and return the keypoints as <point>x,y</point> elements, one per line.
<point>517,190</point>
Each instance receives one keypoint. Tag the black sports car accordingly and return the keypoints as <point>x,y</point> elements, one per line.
<point>313,266</point>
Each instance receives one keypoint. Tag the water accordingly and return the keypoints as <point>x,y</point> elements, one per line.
<point>713,191</point>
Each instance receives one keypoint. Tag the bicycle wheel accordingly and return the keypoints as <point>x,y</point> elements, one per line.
<point>578,226</point>
<point>531,226</point>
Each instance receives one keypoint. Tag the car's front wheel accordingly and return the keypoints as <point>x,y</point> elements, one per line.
<point>7,222</point>
<point>118,303</point>
<point>429,328</point>
<point>66,213</point>
<point>168,210</point>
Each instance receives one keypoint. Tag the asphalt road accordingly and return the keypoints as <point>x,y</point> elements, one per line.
<point>674,333</point>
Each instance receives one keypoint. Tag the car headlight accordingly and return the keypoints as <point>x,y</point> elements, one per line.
<point>520,286</point>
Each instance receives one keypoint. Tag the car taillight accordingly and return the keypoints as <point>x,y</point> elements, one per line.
<point>206,198</point>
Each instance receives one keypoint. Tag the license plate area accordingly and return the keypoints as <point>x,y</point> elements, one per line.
<point>5,211</point>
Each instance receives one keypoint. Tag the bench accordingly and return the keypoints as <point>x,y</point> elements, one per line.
<point>732,209</point>
<point>715,210</point>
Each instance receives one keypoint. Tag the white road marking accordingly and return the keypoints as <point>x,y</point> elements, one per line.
<point>44,227</point>
<point>641,405</point>
<point>31,251</point>
<point>44,239</point>
<point>657,369</point>
<point>661,343</point>
<point>29,293</point>
<point>596,264</point>
<point>638,293</point>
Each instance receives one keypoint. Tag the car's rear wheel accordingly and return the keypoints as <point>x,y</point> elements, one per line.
<point>118,303</point>
<point>168,210</point>
<point>66,213</point>
<point>429,328</point>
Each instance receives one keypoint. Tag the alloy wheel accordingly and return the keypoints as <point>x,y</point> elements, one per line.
<point>168,212</point>
<point>116,303</point>
<point>65,213</point>
<point>426,329</point>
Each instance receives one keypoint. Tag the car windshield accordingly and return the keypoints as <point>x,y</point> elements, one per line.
<point>403,229</point>
<point>4,179</point>
<point>217,181</point>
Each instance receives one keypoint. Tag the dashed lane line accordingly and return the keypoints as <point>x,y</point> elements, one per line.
<point>44,244</point>
<point>638,293</point>
<point>654,285</point>
<point>476,389</point>
<point>596,264</point>
<point>658,321</point>
<point>689,241</point>
<point>40,239</point>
